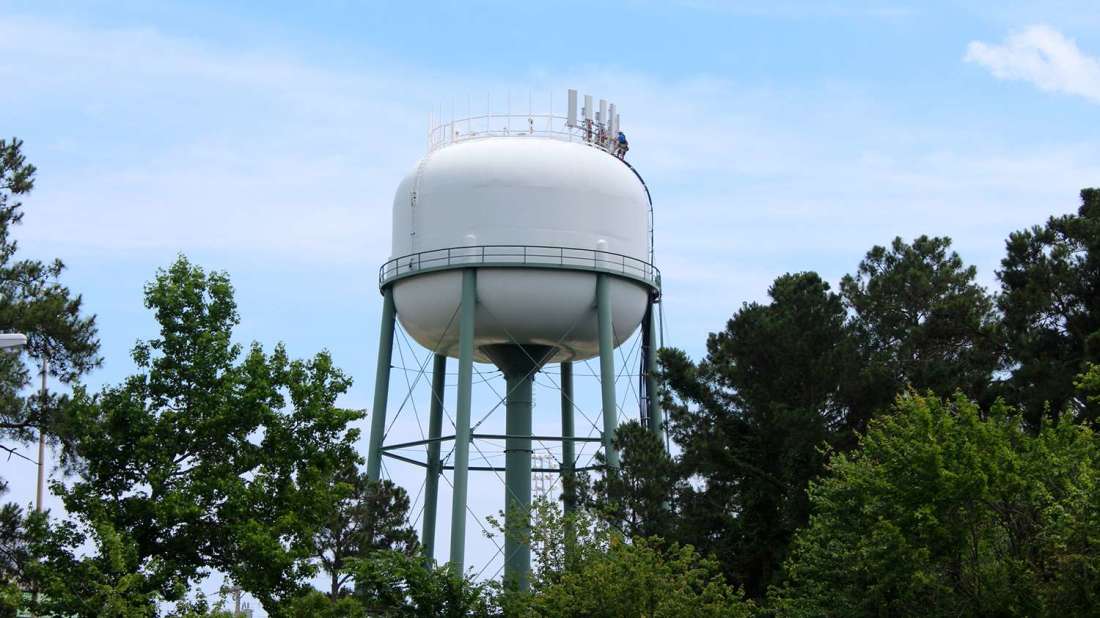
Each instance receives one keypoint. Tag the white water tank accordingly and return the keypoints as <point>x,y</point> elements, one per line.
<point>538,217</point>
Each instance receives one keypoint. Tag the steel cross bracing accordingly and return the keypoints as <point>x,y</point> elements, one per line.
<point>407,451</point>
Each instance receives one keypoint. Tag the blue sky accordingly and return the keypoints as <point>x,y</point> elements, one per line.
<point>267,139</point>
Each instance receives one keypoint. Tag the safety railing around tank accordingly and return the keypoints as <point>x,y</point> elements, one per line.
<point>530,256</point>
<point>511,125</point>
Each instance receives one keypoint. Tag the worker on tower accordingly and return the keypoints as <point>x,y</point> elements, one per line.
<point>623,146</point>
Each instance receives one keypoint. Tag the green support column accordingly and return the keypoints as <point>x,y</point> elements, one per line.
<point>517,481</point>
<point>656,414</point>
<point>435,430</point>
<point>519,365</point>
<point>607,368</point>
<point>381,387</point>
<point>462,419</point>
<point>568,452</point>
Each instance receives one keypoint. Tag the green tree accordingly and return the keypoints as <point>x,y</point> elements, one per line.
<point>751,419</point>
<point>370,516</point>
<point>946,512</point>
<point>1050,300</point>
<point>588,568</point>
<point>206,458</point>
<point>392,583</point>
<point>32,302</point>
<point>1088,384</point>
<point>922,322</point>
<point>14,556</point>
<point>638,498</point>
<point>35,303</point>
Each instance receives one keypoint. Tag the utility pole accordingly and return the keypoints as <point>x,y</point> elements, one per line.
<point>42,438</point>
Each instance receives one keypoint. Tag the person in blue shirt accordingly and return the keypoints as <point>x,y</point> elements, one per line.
<point>623,146</point>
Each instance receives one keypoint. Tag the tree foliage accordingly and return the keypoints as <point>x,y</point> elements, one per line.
<point>946,512</point>
<point>588,568</point>
<point>1050,300</point>
<point>751,419</point>
<point>210,457</point>
<point>35,303</point>
<point>370,516</point>
<point>922,322</point>
<point>638,497</point>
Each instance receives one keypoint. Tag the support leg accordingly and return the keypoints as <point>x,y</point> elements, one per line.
<point>568,453</point>
<point>381,387</point>
<point>655,413</point>
<point>607,369</point>
<point>435,430</point>
<point>462,419</point>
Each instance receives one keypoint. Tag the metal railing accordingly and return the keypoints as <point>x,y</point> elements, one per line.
<point>519,125</point>
<point>522,256</point>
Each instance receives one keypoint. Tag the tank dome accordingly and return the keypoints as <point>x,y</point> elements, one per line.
<point>538,217</point>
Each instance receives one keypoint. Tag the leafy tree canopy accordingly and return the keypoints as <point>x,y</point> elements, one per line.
<point>370,516</point>
<point>946,512</point>
<point>751,419</point>
<point>210,457</point>
<point>587,568</point>
<point>922,322</point>
<point>1050,299</point>
<point>35,303</point>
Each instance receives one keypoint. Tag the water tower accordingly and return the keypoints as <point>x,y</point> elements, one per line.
<point>521,241</point>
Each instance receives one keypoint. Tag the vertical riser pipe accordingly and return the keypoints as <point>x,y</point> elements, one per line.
<point>517,481</point>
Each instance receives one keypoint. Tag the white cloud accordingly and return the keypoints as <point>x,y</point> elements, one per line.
<point>1042,56</point>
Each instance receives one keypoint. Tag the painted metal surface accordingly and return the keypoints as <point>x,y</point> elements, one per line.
<point>523,192</point>
<point>560,312</point>
<point>381,388</point>
<point>468,301</point>
<point>434,467</point>
<point>605,308</point>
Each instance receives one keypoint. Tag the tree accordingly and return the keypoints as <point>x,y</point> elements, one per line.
<point>922,322</point>
<point>205,459</point>
<point>391,583</point>
<point>370,516</point>
<point>1050,299</point>
<point>752,418</point>
<point>33,302</point>
<point>1088,384</point>
<point>14,556</point>
<point>587,568</point>
<point>638,498</point>
<point>945,511</point>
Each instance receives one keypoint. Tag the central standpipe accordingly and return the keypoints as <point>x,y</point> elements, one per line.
<point>519,364</point>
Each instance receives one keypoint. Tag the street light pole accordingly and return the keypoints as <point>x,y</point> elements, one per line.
<point>42,440</point>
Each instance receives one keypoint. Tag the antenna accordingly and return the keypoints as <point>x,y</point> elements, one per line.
<point>611,129</point>
<point>588,107</point>
<point>571,116</point>
<point>602,118</point>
